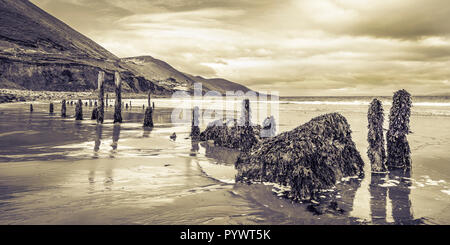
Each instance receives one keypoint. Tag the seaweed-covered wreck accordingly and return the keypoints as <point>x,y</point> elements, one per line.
<point>308,159</point>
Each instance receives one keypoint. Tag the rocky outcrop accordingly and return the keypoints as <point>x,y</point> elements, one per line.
<point>308,159</point>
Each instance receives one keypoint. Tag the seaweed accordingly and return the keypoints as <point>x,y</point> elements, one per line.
<point>375,137</point>
<point>310,158</point>
<point>398,150</point>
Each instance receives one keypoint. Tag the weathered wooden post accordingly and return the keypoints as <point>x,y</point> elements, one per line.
<point>246,113</point>
<point>148,118</point>
<point>79,110</point>
<point>94,115</point>
<point>101,95</point>
<point>195,129</point>
<point>398,151</point>
<point>375,137</point>
<point>51,108</point>
<point>31,107</point>
<point>63,108</point>
<point>118,103</point>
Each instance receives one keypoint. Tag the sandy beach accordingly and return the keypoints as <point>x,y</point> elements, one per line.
<point>62,171</point>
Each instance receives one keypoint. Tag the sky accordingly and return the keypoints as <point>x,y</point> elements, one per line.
<point>294,47</point>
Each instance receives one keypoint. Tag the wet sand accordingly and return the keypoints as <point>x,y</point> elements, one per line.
<point>59,171</point>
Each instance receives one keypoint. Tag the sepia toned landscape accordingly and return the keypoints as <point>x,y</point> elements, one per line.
<point>224,112</point>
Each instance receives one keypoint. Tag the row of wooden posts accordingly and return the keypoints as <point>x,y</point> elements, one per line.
<point>398,150</point>
<point>98,113</point>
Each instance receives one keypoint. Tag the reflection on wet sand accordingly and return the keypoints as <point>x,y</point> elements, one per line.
<point>395,185</point>
<point>108,181</point>
<point>194,148</point>
<point>399,196</point>
<point>98,138</point>
<point>147,132</point>
<point>115,139</point>
<point>221,154</point>
<point>348,193</point>
<point>378,198</point>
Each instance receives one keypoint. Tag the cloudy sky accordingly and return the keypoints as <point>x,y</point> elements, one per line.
<point>296,47</point>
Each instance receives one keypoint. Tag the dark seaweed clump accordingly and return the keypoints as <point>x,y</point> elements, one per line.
<point>375,137</point>
<point>398,150</point>
<point>310,158</point>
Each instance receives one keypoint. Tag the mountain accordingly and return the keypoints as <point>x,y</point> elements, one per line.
<point>40,52</point>
<point>168,76</point>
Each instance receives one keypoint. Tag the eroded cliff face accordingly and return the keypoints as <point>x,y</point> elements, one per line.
<point>67,77</point>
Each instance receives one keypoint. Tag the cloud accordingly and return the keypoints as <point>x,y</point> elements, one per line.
<point>297,47</point>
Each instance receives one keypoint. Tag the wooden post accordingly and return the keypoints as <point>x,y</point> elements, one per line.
<point>63,108</point>
<point>101,95</point>
<point>398,150</point>
<point>79,110</point>
<point>118,104</point>
<point>375,137</point>
<point>246,113</point>
<point>148,118</point>
<point>51,108</point>
<point>94,115</point>
<point>195,129</point>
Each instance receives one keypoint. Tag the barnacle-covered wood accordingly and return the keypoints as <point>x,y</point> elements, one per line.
<point>195,129</point>
<point>375,137</point>
<point>148,117</point>
<point>310,158</point>
<point>94,114</point>
<point>398,151</point>
<point>79,110</point>
<point>63,108</point>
